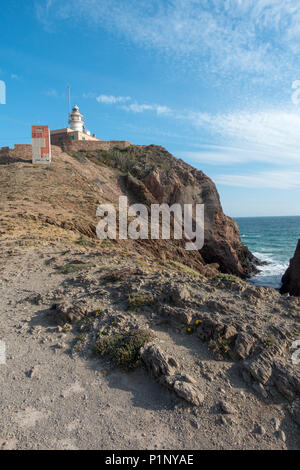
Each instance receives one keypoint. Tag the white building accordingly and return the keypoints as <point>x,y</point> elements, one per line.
<point>76,120</point>
<point>75,131</point>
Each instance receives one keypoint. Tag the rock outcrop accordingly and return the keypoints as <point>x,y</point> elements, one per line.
<point>178,182</point>
<point>156,176</point>
<point>81,180</point>
<point>291,278</point>
<point>165,370</point>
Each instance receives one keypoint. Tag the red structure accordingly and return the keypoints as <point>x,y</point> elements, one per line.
<point>41,147</point>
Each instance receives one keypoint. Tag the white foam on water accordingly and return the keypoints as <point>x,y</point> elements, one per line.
<point>270,274</point>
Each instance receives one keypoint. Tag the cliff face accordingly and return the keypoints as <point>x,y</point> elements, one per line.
<point>177,182</point>
<point>170,180</point>
<point>291,278</point>
<point>61,201</point>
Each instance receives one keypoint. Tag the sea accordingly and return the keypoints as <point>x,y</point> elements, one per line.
<point>271,239</point>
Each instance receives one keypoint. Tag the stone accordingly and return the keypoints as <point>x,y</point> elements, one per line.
<point>291,278</point>
<point>260,368</point>
<point>194,424</point>
<point>188,392</point>
<point>296,416</point>
<point>229,332</point>
<point>287,379</point>
<point>33,372</point>
<point>70,313</point>
<point>210,329</point>
<point>276,423</point>
<point>189,379</point>
<point>172,362</point>
<point>259,429</point>
<point>243,345</point>
<point>227,420</point>
<point>176,314</point>
<point>160,367</point>
<point>226,408</point>
<point>222,238</point>
<point>281,435</point>
<point>121,274</point>
<point>156,361</point>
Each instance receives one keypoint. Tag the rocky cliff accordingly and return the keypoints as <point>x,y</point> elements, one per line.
<point>162,178</point>
<point>64,198</point>
<point>291,278</point>
<point>78,313</point>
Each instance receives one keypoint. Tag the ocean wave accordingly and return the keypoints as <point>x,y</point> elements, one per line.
<point>271,273</point>
<point>272,240</point>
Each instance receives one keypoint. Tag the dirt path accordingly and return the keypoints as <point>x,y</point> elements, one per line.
<point>53,400</point>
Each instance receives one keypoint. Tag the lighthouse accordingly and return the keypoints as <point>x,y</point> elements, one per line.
<point>76,130</point>
<point>76,120</point>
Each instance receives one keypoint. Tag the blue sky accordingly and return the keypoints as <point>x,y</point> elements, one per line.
<point>214,81</point>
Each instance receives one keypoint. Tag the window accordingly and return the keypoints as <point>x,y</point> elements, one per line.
<point>72,137</point>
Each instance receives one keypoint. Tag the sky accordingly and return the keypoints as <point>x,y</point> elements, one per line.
<point>216,82</point>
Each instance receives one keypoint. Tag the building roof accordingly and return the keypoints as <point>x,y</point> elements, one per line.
<point>62,131</point>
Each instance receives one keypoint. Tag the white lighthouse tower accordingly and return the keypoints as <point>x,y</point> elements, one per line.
<point>76,120</point>
<point>76,130</point>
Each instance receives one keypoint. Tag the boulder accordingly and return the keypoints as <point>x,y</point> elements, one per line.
<point>227,408</point>
<point>70,313</point>
<point>291,278</point>
<point>243,345</point>
<point>166,370</point>
<point>210,329</point>
<point>186,390</point>
<point>176,314</point>
<point>156,361</point>
<point>260,368</point>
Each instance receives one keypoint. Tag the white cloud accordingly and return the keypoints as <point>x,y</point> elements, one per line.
<point>286,179</point>
<point>110,99</point>
<point>220,155</point>
<point>255,36</point>
<point>140,108</point>
<point>271,136</point>
<point>132,107</point>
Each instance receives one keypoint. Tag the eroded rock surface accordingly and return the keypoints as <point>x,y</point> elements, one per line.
<point>162,368</point>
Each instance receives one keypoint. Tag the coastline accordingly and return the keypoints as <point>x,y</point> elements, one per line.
<point>272,240</point>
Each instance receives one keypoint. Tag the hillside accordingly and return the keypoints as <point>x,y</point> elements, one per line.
<point>59,202</point>
<point>135,344</point>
